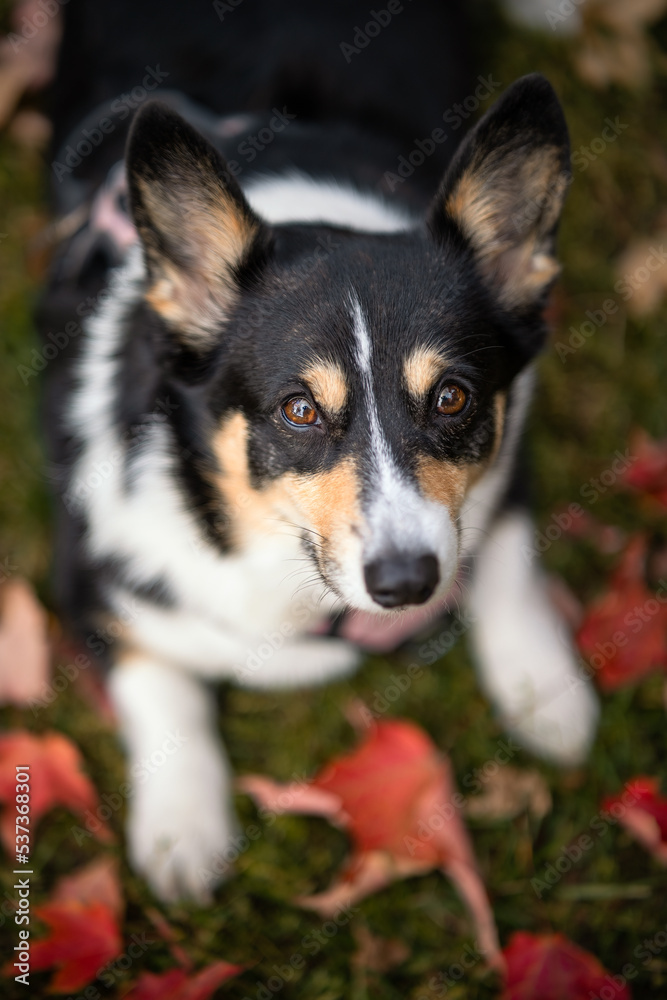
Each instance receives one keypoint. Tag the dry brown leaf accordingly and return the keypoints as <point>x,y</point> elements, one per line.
<point>27,63</point>
<point>508,793</point>
<point>624,15</point>
<point>24,648</point>
<point>614,45</point>
<point>97,882</point>
<point>31,129</point>
<point>642,274</point>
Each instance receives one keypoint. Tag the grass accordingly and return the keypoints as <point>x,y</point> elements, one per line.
<point>585,410</point>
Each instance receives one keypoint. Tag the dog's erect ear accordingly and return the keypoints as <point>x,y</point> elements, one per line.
<point>505,189</point>
<point>197,229</point>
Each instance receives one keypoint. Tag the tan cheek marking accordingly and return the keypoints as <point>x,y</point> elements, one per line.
<point>328,384</point>
<point>447,483</point>
<point>250,510</point>
<point>330,499</point>
<point>327,502</point>
<point>443,482</point>
<point>422,368</point>
<point>500,411</point>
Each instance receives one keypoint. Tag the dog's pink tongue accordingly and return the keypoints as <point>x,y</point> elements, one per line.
<point>379,634</point>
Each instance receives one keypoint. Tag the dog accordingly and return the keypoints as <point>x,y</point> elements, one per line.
<point>299,326</point>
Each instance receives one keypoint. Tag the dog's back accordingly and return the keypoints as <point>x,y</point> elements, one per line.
<point>392,69</point>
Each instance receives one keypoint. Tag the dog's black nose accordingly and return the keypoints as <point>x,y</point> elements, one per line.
<point>397,580</point>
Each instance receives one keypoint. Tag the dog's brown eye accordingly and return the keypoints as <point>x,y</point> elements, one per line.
<point>300,412</point>
<point>451,400</point>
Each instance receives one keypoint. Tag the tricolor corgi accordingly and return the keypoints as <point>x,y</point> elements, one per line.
<point>296,375</point>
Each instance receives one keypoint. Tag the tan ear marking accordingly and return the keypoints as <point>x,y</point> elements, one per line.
<point>507,207</point>
<point>210,235</point>
<point>327,382</point>
<point>422,368</point>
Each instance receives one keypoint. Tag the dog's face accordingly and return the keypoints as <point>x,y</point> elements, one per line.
<point>353,387</point>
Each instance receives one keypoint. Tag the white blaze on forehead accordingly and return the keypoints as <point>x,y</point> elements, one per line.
<point>399,518</point>
<point>385,467</point>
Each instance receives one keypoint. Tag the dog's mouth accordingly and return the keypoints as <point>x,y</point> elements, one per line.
<point>387,589</point>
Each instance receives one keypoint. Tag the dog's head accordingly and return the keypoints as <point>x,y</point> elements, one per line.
<point>352,386</point>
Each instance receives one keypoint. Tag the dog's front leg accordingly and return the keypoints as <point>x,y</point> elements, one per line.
<point>301,663</point>
<point>526,660</point>
<point>180,816</point>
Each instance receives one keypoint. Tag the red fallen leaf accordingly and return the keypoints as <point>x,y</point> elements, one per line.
<point>395,796</point>
<point>549,967</point>
<point>643,812</point>
<point>24,647</point>
<point>624,633</point>
<point>648,472</point>
<point>178,985</point>
<point>83,938</point>
<point>97,882</point>
<point>56,779</point>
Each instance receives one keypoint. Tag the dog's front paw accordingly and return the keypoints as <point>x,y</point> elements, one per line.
<point>307,661</point>
<point>181,827</point>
